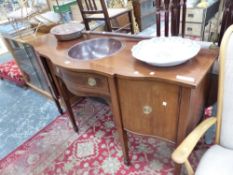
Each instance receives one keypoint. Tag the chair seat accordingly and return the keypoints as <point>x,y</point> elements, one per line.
<point>111,12</point>
<point>217,160</point>
<point>93,11</point>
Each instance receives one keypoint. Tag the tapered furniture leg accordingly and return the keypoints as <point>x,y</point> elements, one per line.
<point>118,120</point>
<point>64,94</point>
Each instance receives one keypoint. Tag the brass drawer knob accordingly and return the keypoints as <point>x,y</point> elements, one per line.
<point>147,109</point>
<point>164,103</point>
<point>91,81</point>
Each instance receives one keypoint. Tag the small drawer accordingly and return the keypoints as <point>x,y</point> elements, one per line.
<point>92,81</point>
<point>193,29</point>
<point>194,15</point>
<point>84,82</point>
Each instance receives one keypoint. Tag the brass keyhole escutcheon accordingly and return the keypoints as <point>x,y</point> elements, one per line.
<point>91,81</point>
<point>147,109</point>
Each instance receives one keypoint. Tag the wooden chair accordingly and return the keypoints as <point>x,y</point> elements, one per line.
<point>219,157</point>
<point>92,10</point>
<point>177,9</point>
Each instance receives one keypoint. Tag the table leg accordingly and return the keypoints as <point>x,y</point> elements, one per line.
<point>118,120</point>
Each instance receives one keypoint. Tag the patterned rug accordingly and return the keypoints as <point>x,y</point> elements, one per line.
<point>57,149</point>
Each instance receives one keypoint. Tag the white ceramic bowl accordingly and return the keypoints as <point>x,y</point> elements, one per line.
<point>165,51</point>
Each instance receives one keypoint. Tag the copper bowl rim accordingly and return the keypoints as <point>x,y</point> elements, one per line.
<point>122,47</point>
<point>52,30</point>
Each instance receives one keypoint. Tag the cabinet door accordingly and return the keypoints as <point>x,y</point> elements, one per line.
<point>149,108</point>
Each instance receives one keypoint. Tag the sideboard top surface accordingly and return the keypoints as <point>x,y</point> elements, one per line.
<point>122,64</point>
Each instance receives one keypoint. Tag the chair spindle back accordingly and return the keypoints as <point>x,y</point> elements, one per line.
<point>89,7</point>
<point>176,7</point>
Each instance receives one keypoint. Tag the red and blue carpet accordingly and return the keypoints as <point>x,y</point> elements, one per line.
<point>57,149</point>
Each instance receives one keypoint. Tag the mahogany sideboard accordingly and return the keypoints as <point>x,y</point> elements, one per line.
<point>163,102</point>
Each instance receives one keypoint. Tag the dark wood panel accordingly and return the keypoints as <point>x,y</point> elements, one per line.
<point>192,106</point>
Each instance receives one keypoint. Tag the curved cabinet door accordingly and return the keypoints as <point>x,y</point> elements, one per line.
<point>149,107</point>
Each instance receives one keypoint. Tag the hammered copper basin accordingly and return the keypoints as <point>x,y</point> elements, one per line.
<point>95,48</point>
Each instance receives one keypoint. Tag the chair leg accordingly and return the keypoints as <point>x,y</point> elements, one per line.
<point>86,23</point>
<point>108,25</point>
<point>108,28</point>
<point>131,21</point>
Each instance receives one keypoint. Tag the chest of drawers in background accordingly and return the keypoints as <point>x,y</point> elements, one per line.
<point>144,11</point>
<point>198,18</point>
